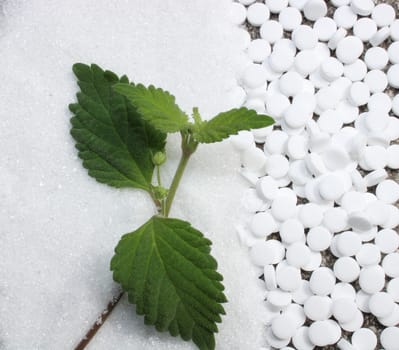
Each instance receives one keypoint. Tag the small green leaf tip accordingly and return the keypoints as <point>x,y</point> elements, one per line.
<point>156,106</point>
<point>166,268</point>
<point>230,123</point>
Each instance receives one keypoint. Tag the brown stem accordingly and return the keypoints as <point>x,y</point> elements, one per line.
<point>99,322</point>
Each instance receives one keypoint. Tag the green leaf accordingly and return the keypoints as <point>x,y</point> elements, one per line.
<point>156,106</point>
<point>166,268</point>
<point>229,123</point>
<point>114,142</point>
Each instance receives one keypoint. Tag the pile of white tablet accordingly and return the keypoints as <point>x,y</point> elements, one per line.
<point>318,178</point>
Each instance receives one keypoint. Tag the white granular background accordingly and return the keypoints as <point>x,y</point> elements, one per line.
<point>58,227</point>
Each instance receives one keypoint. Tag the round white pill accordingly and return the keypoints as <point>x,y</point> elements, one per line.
<point>281,59</point>
<point>263,224</point>
<point>359,221</point>
<point>359,93</point>
<point>374,157</point>
<point>376,80</point>
<point>254,76</point>
<point>364,339</point>
<point>311,215</point>
<point>372,279</point>
<point>331,69</point>
<point>381,304</point>
<point>291,83</point>
<point>368,254</point>
<point>344,17</point>
<point>391,265</point>
<point>362,7</point>
<point>392,319</point>
<point>320,333</point>
<point>291,231</point>
<point>344,309</point>
<point>349,49</point>
<point>298,254</point>
<point>331,187</point>
<point>322,281</point>
<point>301,339</point>
<point>365,28</point>
<point>314,263</point>
<point>297,147</point>
<point>238,13</point>
<point>348,243</point>
<point>315,9</point>
<point>346,269</point>
<point>259,50</point>
<point>388,191</point>
<point>383,15</point>
<point>290,18</point>
<point>271,31</point>
<point>296,313</point>
<point>335,219</point>
<point>355,71</point>
<point>390,338</point>
<point>277,166</point>
<point>257,14</point>
<point>393,288</point>
<point>343,290</point>
<point>274,341</point>
<point>304,37</point>
<point>325,28</point>
<point>306,62</point>
<point>275,6</point>
<point>303,293</point>
<point>387,240</point>
<point>288,278</point>
<point>318,308</point>
<point>283,326</point>
<point>279,298</point>
<point>376,58</point>
<point>395,105</point>
<point>336,157</point>
<point>380,102</point>
<point>318,238</point>
<point>275,142</point>
<point>277,104</point>
<point>355,324</point>
<point>375,177</point>
<point>267,252</point>
<point>393,76</point>
<point>267,187</point>
<point>283,208</point>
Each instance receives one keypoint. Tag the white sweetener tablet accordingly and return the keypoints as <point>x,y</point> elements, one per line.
<point>345,17</point>
<point>383,15</point>
<point>362,7</point>
<point>271,31</point>
<point>349,49</point>
<point>376,58</point>
<point>390,265</point>
<point>315,9</point>
<point>290,18</point>
<point>393,76</point>
<point>381,304</point>
<point>365,28</point>
<point>257,14</point>
<point>365,339</point>
<point>346,269</point>
<point>267,252</point>
<point>390,338</point>
<point>344,309</point>
<point>283,326</point>
<point>372,279</point>
<point>318,308</point>
<point>325,28</point>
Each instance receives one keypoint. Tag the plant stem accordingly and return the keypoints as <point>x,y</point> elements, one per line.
<point>159,175</point>
<point>175,182</point>
<point>99,322</point>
